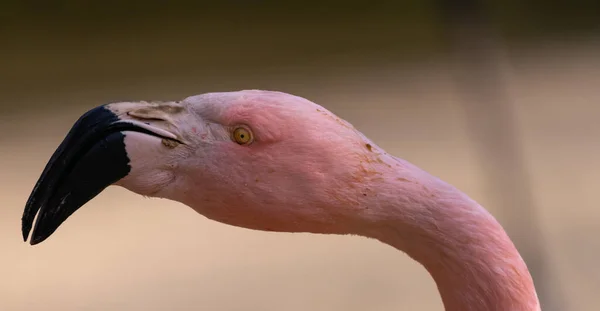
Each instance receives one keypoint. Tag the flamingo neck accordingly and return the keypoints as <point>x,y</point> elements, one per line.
<point>472,260</point>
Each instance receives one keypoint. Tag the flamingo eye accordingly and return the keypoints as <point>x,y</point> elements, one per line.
<point>242,136</point>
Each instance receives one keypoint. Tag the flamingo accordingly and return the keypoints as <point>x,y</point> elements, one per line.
<point>273,161</point>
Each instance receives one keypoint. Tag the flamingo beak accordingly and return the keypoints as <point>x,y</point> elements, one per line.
<point>90,158</point>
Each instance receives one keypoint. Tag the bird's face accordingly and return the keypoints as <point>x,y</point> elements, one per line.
<point>255,159</point>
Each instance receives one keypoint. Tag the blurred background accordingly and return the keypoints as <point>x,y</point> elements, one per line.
<point>499,98</point>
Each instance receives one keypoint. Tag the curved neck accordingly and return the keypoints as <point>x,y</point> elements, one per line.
<point>472,260</point>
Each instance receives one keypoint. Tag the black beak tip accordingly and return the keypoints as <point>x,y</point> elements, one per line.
<point>26,225</point>
<point>36,240</point>
<point>91,157</point>
<point>25,234</point>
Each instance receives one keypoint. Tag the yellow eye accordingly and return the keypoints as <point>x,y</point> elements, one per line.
<point>242,136</point>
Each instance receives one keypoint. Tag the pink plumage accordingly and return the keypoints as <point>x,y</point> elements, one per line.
<point>299,168</point>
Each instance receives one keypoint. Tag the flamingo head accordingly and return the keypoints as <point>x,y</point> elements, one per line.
<point>255,159</point>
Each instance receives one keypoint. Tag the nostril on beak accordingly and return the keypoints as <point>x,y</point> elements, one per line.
<point>142,117</point>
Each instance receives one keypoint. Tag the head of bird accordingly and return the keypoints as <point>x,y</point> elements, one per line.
<point>256,159</point>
